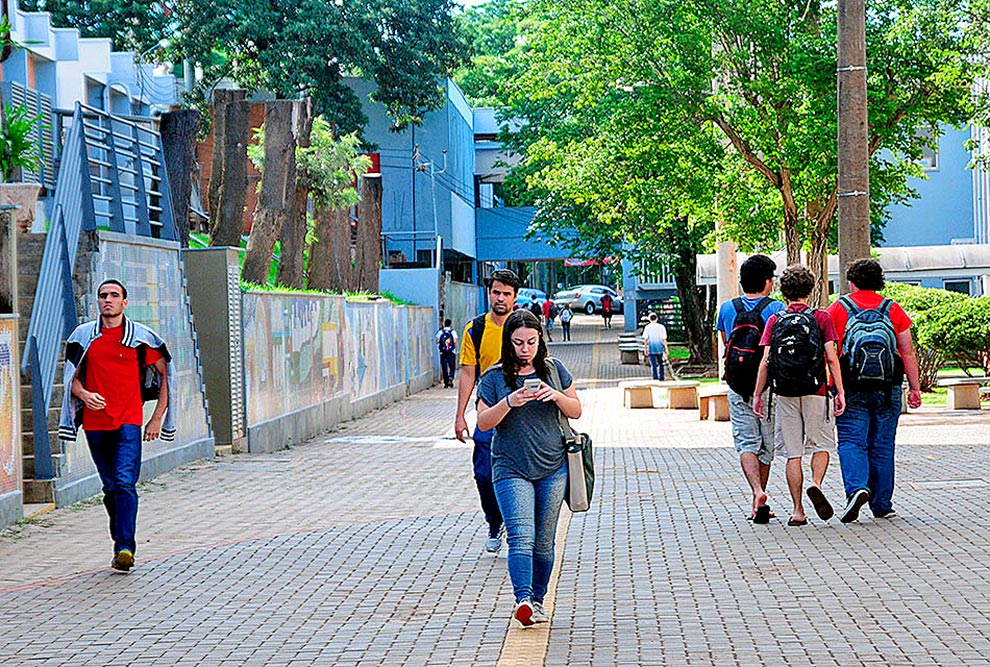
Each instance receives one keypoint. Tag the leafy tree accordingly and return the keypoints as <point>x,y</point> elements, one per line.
<point>307,47</point>
<point>762,75</point>
<point>132,24</point>
<point>493,31</point>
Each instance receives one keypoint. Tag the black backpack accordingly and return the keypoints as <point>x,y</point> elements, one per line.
<point>553,310</point>
<point>797,354</point>
<point>742,349</point>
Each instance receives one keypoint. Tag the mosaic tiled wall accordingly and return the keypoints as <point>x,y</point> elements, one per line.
<point>10,450</point>
<point>156,298</point>
<point>303,350</point>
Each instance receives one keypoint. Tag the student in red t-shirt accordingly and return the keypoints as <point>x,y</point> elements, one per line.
<point>107,382</point>
<point>797,349</point>
<point>867,430</point>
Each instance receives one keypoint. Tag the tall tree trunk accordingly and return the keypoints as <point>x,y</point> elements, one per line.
<point>228,219</point>
<point>818,265</point>
<point>178,130</point>
<point>369,233</point>
<point>291,268</point>
<point>342,270</point>
<point>278,187</point>
<point>216,163</point>
<point>694,311</point>
<point>321,250</point>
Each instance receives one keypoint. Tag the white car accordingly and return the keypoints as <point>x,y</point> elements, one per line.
<point>588,298</point>
<point>527,295</point>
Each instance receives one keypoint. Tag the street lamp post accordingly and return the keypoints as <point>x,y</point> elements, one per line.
<point>853,137</point>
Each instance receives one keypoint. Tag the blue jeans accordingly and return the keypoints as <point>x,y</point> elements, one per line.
<point>656,365</point>
<point>566,328</point>
<point>866,432</point>
<point>117,455</point>
<point>482,462</point>
<point>448,364</point>
<point>530,510</point>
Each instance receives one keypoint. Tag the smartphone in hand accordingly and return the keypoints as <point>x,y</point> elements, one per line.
<point>532,385</point>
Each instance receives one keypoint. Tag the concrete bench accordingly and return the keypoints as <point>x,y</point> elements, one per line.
<point>629,353</point>
<point>681,394</point>
<point>713,403</point>
<point>964,393</point>
<point>638,394</point>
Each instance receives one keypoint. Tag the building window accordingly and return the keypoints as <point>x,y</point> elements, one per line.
<point>929,154</point>
<point>961,286</point>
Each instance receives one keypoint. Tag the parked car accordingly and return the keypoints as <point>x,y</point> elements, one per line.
<point>527,295</point>
<point>588,298</point>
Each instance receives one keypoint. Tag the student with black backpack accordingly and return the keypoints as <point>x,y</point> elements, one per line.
<point>798,344</point>
<point>876,352</point>
<point>740,325</point>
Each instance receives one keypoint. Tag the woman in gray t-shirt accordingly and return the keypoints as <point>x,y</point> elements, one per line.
<point>529,465</point>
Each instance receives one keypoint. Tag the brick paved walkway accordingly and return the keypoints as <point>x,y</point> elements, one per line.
<point>365,548</point>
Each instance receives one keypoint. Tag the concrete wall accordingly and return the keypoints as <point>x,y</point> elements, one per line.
<point>311,361</point>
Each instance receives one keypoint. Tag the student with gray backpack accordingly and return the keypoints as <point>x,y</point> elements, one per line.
<point>876,352</point>
<point>799,343</point>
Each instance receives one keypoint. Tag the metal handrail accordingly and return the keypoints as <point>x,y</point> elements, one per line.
<point>82,180</point>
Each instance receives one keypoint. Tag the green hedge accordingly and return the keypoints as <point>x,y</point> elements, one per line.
<point>945,327</point>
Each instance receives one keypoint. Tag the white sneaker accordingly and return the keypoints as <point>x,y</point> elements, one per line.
<point>539,615</point>
<point>494,542</point>
<point>524,613</point>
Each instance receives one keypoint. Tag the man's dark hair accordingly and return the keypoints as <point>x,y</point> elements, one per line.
<point>447,323</point>
<point>866,274</point>
<point>506,277</point>
<point>112,281</point>
<point>796,282</point>
<point>755,272</point>
<point>653,317</point>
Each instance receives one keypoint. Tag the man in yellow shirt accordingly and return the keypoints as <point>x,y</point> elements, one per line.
<point>481,348</point>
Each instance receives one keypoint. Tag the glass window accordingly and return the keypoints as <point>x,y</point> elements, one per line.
<point>961,286</point>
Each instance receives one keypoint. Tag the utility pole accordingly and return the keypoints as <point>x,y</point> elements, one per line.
<point>853,137</point>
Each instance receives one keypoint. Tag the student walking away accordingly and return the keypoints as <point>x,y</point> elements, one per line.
<point>520,399</point>
<point>740,324</point>
<point>112,365</point>
<point>798,343</point>
<point>875,353</point>
<point>607,310</point>
<point>549,315</point>
<point>446,340</point>
<point>566,315</point>
<point>481,348</point>
<point>655,345</point>
<point>536,309</point>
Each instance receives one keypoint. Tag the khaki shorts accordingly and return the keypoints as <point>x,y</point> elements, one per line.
<point>801,426</point>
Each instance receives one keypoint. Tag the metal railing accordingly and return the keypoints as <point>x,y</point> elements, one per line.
<point>111,176</point>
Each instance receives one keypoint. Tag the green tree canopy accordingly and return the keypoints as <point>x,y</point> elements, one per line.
<point>717,109</point>
<point>307,47</point>
<point>134,25</point>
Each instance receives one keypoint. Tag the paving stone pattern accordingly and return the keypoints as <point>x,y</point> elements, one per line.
<point>364,547</point>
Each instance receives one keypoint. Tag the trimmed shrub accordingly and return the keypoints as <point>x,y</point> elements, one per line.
<point>919,302</point>
<point>961,331</point>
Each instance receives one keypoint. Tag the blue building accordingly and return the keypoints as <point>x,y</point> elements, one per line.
<point>440,181</point>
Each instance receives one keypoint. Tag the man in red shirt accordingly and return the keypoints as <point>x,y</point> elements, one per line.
<point>876,351</point>
<point>107,382</point>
